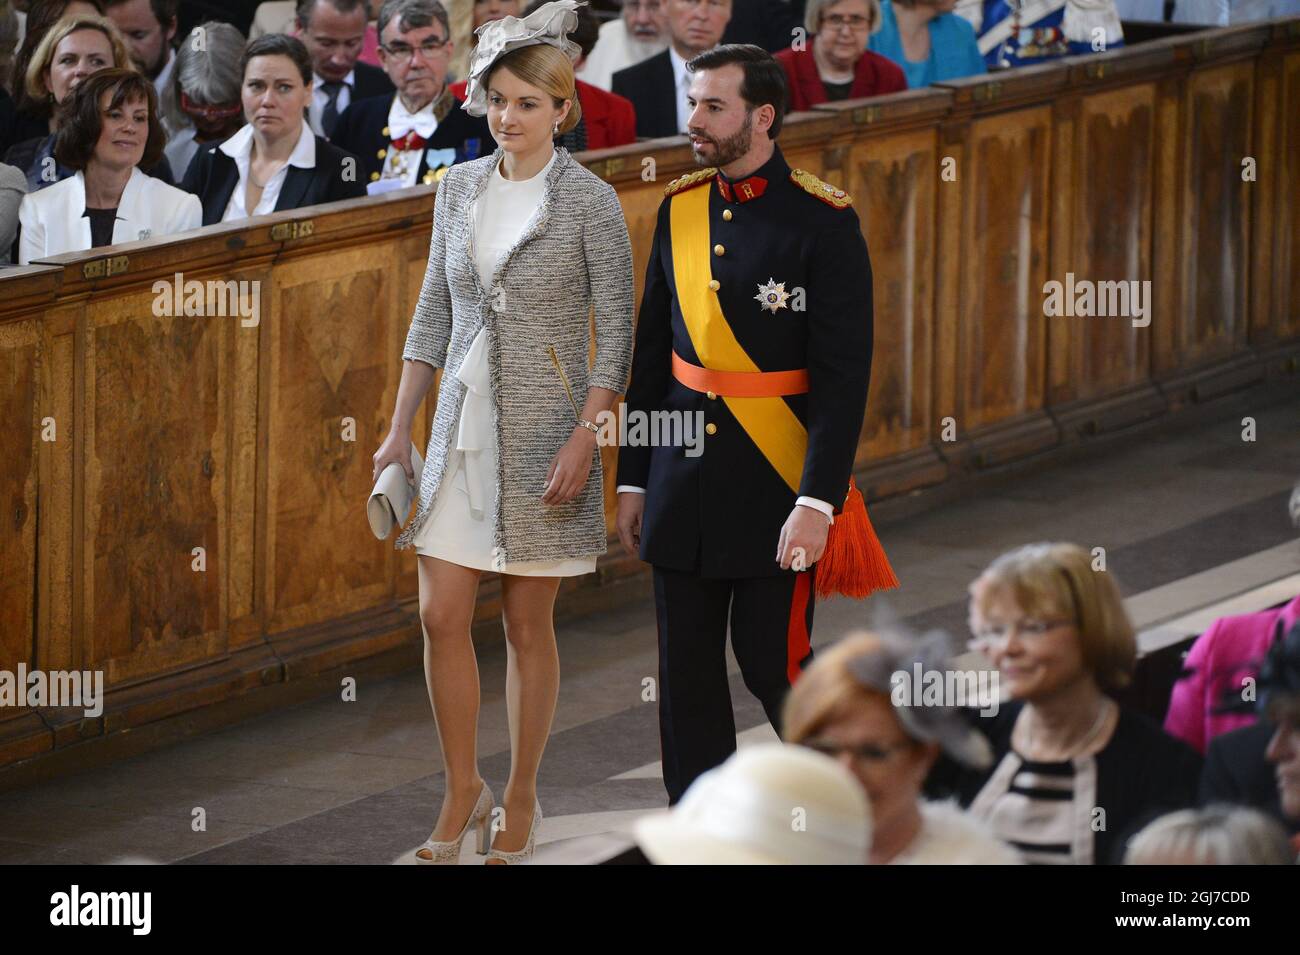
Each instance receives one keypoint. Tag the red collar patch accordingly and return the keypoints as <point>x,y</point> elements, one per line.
<point>743,190</point>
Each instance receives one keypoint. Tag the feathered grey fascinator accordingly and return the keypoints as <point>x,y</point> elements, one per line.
<point>917,673</point>
<point>550,23</point>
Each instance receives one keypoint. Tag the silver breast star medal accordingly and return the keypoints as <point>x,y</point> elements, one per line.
<point>772,295</point>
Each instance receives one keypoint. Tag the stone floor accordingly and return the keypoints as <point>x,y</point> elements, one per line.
<point>333,781</point>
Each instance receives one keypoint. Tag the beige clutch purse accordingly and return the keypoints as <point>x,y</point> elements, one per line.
<point>390,501</point>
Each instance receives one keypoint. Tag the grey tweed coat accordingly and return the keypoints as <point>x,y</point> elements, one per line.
<point>574,253</point>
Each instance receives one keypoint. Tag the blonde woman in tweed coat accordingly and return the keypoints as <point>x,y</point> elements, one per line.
<point>524,242</point>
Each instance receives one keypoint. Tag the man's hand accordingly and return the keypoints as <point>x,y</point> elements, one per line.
<point>803,538</point>
<point>628,521</point>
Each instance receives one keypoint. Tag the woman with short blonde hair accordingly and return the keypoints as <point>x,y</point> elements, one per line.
<point>1074,770</point>
<point>77,46</point>
<point>1058,581</point>
<point>38,77</point>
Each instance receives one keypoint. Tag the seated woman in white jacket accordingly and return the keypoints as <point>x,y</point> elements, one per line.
<point>110,128</point>
<point>860,703</point>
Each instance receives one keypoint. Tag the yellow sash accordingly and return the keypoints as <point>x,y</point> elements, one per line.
<point>768,422</point>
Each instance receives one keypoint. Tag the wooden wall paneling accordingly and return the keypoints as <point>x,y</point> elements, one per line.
<point>155,486</point>
<point>1167,239</point>
<point>1003,248</point>
<point>1215,214</point>
<point>1069,167</point>
<point>58,634</point>
<point>1283,301</point>
<point>953,206</point>
<point>21,413</point>
<point>1110,163</point>
<point>892,169</point>
<point>1262,194</point>
<point>24,366</point>
<point>327,356</point>
<point>242,342</point>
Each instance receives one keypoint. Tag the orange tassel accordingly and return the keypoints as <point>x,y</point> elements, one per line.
<point>854,563</point>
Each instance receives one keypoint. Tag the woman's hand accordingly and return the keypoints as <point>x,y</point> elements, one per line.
<point>567,475</point>
<point>396,447</point>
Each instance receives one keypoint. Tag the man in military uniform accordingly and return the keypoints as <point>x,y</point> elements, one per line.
<point>414,135</point>
<point>756,314</point>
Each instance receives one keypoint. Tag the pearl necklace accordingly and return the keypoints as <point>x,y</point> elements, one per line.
<point>1102,713</point>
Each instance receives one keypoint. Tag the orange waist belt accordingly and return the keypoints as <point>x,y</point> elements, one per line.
<point>740,384</point>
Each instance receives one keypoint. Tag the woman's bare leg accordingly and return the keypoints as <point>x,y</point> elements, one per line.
<point>447,595</point>
<point>532,688</point>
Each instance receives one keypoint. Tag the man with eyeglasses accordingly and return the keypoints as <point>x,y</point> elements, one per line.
<point>416,134</point>
<point>658,86</point>
<point>334,32</point>
<point>626,41</point>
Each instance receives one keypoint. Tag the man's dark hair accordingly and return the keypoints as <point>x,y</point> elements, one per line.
<point>305,8</point>
<point>278,44</point>
<point>764,80</point>
<point>164,11</point>
<point>82,120</point>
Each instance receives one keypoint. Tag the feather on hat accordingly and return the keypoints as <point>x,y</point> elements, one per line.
<point>550,23</point>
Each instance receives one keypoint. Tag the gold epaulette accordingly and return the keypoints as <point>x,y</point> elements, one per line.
<point>822,190</point>
<point>689,180</point>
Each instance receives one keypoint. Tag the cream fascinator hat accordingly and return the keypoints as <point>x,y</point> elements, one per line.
<point>550,23</point>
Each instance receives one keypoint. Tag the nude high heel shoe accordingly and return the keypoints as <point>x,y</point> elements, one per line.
<point>448,853</point>
<point>526,853</point>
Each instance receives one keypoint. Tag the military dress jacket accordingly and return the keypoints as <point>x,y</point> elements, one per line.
<point>574,254</point>
<point>792,277</point>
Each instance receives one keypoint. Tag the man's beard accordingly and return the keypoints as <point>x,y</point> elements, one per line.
<point>733,147</point>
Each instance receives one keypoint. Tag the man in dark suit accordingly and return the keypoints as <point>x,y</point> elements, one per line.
<point>766,23</point>
<point>755,329</point>
<point>657,87</point>
<point>333,32</point>
<point>414,134</point>
<point>238,12</point>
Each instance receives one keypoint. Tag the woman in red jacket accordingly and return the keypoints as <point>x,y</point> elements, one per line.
<point>835,63</point>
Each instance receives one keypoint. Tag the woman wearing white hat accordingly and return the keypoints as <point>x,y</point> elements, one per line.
<point>769,804</point>
<point>845,705</point>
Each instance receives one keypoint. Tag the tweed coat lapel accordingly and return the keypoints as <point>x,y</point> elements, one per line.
<point>536,225</point>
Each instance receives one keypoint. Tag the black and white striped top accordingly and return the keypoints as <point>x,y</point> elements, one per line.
<point>1047,811</point>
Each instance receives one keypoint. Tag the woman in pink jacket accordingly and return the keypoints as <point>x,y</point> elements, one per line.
<point>1220,660</point>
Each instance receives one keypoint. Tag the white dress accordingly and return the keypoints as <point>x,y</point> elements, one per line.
<point>460,522</point>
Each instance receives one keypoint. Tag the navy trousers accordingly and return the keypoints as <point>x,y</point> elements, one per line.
<point>771,625</point>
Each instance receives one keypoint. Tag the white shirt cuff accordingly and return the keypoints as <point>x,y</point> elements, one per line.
<point>818,505</point>
<point>629,489</point>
